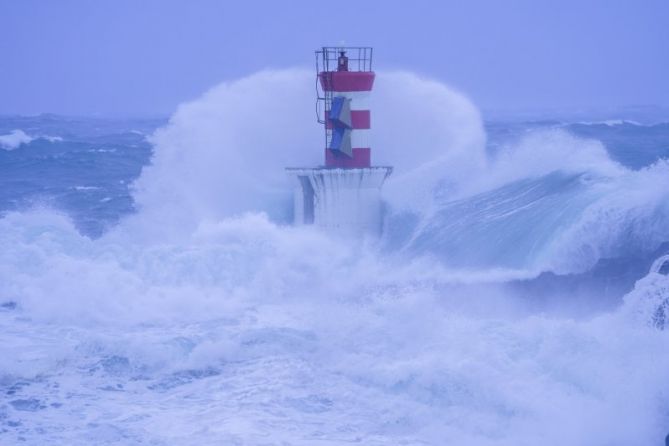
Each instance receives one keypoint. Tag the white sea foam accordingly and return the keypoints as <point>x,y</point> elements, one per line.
<point>203,321</point>
<point>18,137</point>
<point>544,151</point>
<point>52,138</point>
<point>246,330</point>
<point>14,140</point>
<point>612,122</point>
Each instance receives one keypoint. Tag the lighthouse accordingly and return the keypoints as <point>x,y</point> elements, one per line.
<point>342,196</point>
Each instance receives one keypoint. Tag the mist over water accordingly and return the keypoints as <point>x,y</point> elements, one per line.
<point>205,318</point>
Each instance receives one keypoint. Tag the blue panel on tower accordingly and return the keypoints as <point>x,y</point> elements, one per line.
<point>340,111</point>
<point>341,141</point>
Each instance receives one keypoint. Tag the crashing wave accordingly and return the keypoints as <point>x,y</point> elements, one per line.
<point>14,140</point>
<point>648,303</point>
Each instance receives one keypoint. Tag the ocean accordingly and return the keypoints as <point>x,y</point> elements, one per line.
<point>153,290</point>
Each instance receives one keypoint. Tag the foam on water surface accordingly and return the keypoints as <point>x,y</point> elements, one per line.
<point>203,319</point>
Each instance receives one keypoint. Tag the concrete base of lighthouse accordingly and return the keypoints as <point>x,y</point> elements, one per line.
<point>342,201</point>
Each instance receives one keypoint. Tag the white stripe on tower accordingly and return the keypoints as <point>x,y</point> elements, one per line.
<point>360,138</point>
<point>359,99</point>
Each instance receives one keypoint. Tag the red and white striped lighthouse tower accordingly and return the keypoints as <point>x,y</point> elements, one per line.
<point>345,100</point>
<point>344,195</point>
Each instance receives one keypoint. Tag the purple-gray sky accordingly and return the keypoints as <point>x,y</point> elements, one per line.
<point>132,57</point>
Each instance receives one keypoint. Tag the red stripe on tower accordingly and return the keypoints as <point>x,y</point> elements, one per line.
<point>361,158</point>
<point>343,81</point>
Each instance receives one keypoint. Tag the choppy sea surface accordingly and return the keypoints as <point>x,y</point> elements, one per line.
<point>153,292</point>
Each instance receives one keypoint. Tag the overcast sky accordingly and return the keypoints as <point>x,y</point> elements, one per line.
<point>139,57</point>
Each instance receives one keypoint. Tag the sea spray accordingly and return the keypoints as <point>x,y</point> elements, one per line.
<point>225,153</point>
